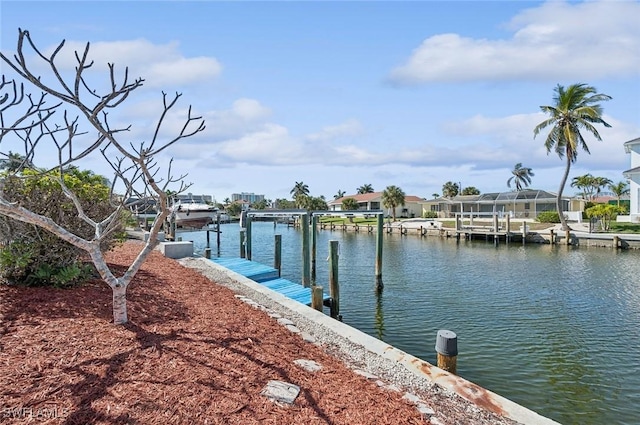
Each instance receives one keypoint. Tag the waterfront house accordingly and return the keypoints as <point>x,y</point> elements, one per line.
<point>373,201</point>
<point>632,147</point>
<point>525,204</point>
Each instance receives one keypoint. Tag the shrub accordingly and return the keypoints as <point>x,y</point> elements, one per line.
<point>430,214</point>
<point>548,217</point>
<point>33,256</point>
<point>605,213</point>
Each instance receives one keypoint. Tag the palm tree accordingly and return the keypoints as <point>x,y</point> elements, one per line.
<point>586,184</point>
<point>300,194</point>
<point>349,204</point>
<point>574,108</point>
<point>619,189</point>
<point>470,190</point>
<point>521,177</point>
<point>600,183</point>
<point>339,195</point>
<point>435,195</point>
<point>15,162</point>
<point>318,203</point>
<point>365,188</point>
<point>392,196</point>
<point>450,189</point>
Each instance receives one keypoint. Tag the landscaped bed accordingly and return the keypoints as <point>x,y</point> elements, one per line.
<point>192,353</point>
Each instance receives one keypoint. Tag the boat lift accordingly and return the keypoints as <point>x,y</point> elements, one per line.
<point>308,225</point>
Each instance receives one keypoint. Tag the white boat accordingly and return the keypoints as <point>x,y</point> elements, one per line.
<point>193,214</point>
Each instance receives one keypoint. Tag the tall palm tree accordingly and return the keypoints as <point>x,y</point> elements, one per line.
<point>339,195</point>
<point>365,188</point>
<point>450,189</point>
<point>300,194</point>
<point>574,108</point>
<point>521,177</point>
<point>392,197</point>
<point>619,189</point>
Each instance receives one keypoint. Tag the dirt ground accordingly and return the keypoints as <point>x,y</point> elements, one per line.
<point>192,353</point>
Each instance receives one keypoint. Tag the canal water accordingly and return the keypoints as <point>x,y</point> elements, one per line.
<point>553,328</point>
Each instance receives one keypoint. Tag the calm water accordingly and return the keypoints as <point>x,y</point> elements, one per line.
<point>555,329</point>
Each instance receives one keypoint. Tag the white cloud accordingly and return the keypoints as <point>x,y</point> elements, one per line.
<point>556,40</point>
<point>349,128</point>
<point>271,145</point>
<point>243,117</point>
<point>158,64</point>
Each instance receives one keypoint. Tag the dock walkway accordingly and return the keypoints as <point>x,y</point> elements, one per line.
<point>268,276</point>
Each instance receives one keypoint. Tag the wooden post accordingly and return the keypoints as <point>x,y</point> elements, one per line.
<point>314,225</point>
<point>242,246</point>
<point>508,223</point>
<point>552,236</point>
<point>316,297</point>
<point>378,267</point>
<point>172,229</point>
<point>207,253</point>
<point>248,240</point>
<point>334,289</point>
<point>447,350</point>
<point>495,223</point>
<point>218,231</point>
<point>567,237</point>
<point>208,239</point>
<point>306,266</point>
<point>616,242</point>
<point>277,255</point>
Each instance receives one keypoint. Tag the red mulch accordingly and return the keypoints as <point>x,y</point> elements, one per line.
<point>191,354</point>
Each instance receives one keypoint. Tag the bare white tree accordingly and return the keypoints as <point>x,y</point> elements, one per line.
<point>74,125</point>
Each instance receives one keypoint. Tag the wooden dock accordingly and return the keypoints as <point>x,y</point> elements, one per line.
<point>268,277</point>
<point>488,233</point>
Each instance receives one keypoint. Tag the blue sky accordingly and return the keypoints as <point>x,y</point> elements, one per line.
<point>341,94</point>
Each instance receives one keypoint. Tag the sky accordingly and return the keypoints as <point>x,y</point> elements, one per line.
<point>341,94</point>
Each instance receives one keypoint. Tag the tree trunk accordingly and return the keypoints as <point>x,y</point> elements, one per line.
<point>563,220</point>
<point>119,304</point>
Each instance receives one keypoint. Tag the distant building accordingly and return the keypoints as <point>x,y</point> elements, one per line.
<point>518,204</point>
<point>251,198</point>
<point>373,201</point>
<point>633,174</point>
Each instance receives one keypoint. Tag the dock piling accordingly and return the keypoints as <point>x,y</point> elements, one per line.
<point>218,231</point>
<point>306,260</point>
<point>378,267</point>
<point>334,289</point>
<point>447,350</point>
<point>248,246</point>
<point>316,297</point>
<point>242,238</point>
<point>277,255</point>
<point>314,237</point>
